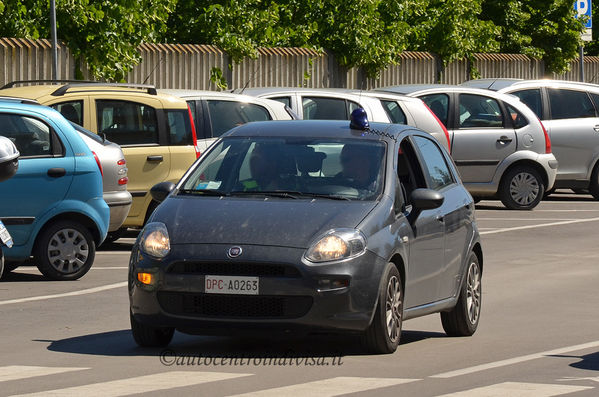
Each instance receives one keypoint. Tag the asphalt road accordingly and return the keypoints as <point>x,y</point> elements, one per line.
<point>538,336</point>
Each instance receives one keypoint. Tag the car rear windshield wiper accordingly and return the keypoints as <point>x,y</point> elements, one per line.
<point>204,192</point>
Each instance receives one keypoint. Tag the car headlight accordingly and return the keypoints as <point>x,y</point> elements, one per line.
<point>337,244</point>
<point>154,240</point>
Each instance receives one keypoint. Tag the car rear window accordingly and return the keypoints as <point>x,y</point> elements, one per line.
<point>225,115</point>
<point>393,110</point>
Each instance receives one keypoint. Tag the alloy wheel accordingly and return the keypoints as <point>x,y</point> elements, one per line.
<point>473,293</point>
<point>393,309</point>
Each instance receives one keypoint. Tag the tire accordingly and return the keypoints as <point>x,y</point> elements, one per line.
<point>594,183</point>
<point>111,237</point>
<point>521,188</point>
<point>463,319</point>
<point>148,336</point>
<point>380,338</point>
<point>65,251</point>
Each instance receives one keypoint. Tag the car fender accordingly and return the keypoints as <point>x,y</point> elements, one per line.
<point>520,155</point>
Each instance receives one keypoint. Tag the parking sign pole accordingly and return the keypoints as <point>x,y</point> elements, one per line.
<point>581,49</point>
<point>53,37</point>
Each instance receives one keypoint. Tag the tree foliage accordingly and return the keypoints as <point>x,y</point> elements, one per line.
<point>104,33</point>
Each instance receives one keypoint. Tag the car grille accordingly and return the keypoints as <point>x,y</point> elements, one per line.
<point>234,306</point>
<point>234,269</point>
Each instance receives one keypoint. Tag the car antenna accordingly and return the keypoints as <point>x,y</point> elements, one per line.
<point>250,80</point>
<point>153,70</point>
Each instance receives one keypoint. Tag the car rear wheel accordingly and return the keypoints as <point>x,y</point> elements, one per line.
<point>65,251</point>
<point>521,188</point>
<point>383,334</point>
<point>148,336</point>
<point>463,319</point>
<point>594,183</point>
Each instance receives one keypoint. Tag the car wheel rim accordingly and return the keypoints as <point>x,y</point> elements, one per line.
<point>524,188</point>
<point>473,293</point>
<point>393,308</point>
<point>68,251</point>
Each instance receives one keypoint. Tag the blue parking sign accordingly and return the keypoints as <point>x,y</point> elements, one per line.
<point>583,7</point>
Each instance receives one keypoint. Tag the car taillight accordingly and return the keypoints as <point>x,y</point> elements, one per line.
<point>123,181</point>
<point>547,139</point>
<point>99,164</point>
<point>121,162</point>
<point>442,127</point>
<point>193,133</point>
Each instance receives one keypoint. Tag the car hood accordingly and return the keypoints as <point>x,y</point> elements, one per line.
<point>258,221</point>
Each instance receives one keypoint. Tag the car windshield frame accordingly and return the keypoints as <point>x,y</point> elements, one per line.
<point>302,184</point>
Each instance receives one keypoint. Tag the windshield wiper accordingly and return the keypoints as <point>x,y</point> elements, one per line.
<point>325,196</point>
<point>270,193</point>
<point>203,192</point>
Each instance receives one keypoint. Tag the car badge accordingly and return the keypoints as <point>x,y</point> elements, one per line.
<point>234,252</point>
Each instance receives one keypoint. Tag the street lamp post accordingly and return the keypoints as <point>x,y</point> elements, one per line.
<point>53,37</point>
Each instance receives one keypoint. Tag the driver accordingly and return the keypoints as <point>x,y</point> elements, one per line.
<point>264,169</point>
<point>358,165</point>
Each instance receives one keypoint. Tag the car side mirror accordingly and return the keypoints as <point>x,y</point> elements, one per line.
<point>161,190</point>
<point>425,199</point>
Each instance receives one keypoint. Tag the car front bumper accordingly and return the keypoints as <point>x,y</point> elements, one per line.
<point>292,292</point>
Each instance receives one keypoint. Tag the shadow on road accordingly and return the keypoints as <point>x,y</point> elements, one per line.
<point>16,277</point>
<point>121,343</point>
<point>587,362</point>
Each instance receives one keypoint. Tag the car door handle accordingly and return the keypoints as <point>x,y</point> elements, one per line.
<point>504,139</point>
<point>596,128</point>
<point>56,172</point>
<point>440,218</point>
<point>157,158</point>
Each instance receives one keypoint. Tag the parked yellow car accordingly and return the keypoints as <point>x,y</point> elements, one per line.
<point>153,129</point>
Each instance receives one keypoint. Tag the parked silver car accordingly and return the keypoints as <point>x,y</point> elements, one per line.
<point>114,178</point>
<point>570,112</point>
<point>215,113</point>
<point>337,104</point>
<point>499,145</point>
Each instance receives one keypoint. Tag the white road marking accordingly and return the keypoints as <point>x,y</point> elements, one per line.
<point>141,384</point>
<point>584,210</point>
<point>113,252</point>
<point>515,360</point>
<point>510,229</point>
<point>528,219</point>
<point>34,269</point>
<point>66,294</point>
<point>518,389</point>
<point>15,372</point>
<point>329,387</point>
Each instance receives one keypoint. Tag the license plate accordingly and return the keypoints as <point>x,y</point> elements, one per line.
<point>5,236</point>
<point>231,285</point>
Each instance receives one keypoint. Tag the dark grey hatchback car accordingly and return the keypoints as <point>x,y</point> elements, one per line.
<point>310,225</point>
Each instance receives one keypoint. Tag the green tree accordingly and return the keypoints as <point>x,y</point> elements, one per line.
<point>546,29</point>
<point>105,34</point>
<point>453,30</point>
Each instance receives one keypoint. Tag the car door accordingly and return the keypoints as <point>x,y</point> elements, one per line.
<point>482,137</point>
<point>573,127</point>
<point>45,173</point>
<point>426,253</point>
<point>136,127</point>
<point>455,213</point>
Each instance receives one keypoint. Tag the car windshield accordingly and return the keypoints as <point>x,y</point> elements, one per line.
<point>297,167</point>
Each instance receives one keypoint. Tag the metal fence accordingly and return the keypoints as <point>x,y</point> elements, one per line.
<point>189,66</point>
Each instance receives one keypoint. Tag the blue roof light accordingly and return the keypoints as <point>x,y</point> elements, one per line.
<point>359,120</point>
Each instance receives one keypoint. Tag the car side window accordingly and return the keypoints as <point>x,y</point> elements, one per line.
<point>318,108</point>
<point>409,171</point>
<point>595,98</point>
<point>434,165</point>
<point>179,127</point>
<point>477,111</point>
<point>127,123</point>
<point>569,104</point>
<point>225,115</point>
<point>32,137</point>
<point>518,120</point>
<point>283,99</point>
<point>393,110</point>
<point>532,99</point>
<point>72,111</point>
<point>439,104</point>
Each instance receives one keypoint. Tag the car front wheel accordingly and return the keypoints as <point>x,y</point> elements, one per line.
<point>463,319</point>
<point>148,336</point>
<point>521,188</point>
<point>65,251</point>
<point>383,334</point>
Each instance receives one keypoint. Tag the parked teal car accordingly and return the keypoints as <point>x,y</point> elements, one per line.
<point>53,207</point>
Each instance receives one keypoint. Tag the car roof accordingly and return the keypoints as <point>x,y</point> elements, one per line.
<point>407,89</point>
<point>302,90</point>
<point>319,128</point>
<point>27,105</point>
<point>502,84</point>
<point>196,94</point>
<point>390,96</point>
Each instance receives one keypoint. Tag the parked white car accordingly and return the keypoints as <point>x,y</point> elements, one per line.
<point>338,104</point>
<point>215,113</point>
